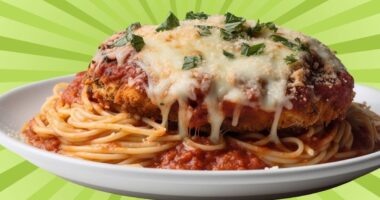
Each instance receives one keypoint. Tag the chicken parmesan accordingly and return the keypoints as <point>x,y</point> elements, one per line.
<point>208,93</point>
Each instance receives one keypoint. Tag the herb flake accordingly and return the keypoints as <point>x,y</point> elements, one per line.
<point>231,18</point>
<point>290,59</point>
<point>170,23</point>
<point>228,54</point>
<point>136,41</point>
<point>204,30</point>
<point>271,26</point>
<point>194,15</point>
<point>283,41</point>
<point>190,62</point>
<point>256,49</point>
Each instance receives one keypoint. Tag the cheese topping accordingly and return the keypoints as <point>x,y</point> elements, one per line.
<point>239,80</point>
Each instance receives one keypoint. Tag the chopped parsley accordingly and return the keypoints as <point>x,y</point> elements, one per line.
<point>198,15</point>
<point>204,30</point>
<point>283,41</point>
<point>256,49</point>
<point>271,26</point>
<point>136,41</point>
<point>234,27</point>
<point>133,27</point>
<point>228,54</point>
<point>170,23</point>
<point>290,59</point>
<point>231,18</point>
<point>298,45</point>
<point>301,46</point>
<point>190,62</point>
<point>225,35</point>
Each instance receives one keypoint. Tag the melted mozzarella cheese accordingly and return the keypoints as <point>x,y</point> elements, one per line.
<point>236,80</point>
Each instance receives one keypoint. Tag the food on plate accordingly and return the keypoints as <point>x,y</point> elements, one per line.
<point>208,93</point>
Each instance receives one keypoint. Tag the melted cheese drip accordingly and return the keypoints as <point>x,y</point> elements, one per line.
<point>232,80</point>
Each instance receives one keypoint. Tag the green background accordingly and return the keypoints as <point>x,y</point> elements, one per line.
<point>44,39</point>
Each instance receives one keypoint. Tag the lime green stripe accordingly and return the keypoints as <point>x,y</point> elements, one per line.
<point>68,191</point>
<point>99,195</point>
<point>354,191</point>
<point>6,86</point>
<point>371,183</point>
<point>198,4</point>
<point>299,10</point>
<point>108,11</point>
<point>77,13</point>
<point>130,11</point>
<point>362,44</point>
<point>1,148</point>
<point>173,6</point>
<point>28,75</point>
<point>356,13</point>
<point>330,194</point>
<point>225,6</point>
<point>366,75</point>
<point>10,44</point>
<point>266,8</point>
<point>148,11</point>
<point>245,7</point>
<point>27,186</point>
<point>47,191</point>
<point>25,17</point>
<point>11,176</point>
<point>85,194</point>
<point>8,160</point>
<point>114,197</point>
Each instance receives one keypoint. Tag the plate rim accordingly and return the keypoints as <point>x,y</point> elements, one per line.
<point>8,142</point>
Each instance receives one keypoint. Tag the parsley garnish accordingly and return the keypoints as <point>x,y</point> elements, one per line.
<point>283,41</point>
<point>271,26</point>
<point>233,28</point>
<point>301,46</point>
<point>204,30</point>
<point>256,49</point>
<point>230,18</point>
<point>193,15</point>
<point>290,59</point>
<point>136,41</point>
<point>190,62</point>
<point>170,23</point>
<point>133,27</point>
<point>228,54</point>
<point>226,35</point>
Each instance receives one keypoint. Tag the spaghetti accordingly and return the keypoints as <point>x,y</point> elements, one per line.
<point>85,130</point>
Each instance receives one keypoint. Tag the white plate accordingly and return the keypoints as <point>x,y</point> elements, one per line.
<point>19,105</point>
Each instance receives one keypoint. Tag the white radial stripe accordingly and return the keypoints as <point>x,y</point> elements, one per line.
<point>322,12</point>
<point>351,31</point>
<point>353,190</point>
<point>8,160</point>
<point>279,9</point>
<point>28,185</point>
<point>42,37</point>
<point>97,14</point>
<point>68,191</point>
<point>36,62</point>
<point>361,60</point>
<point>64,18</point>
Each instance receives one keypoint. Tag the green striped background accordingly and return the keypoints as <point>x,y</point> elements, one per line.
<point>43,39</point>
